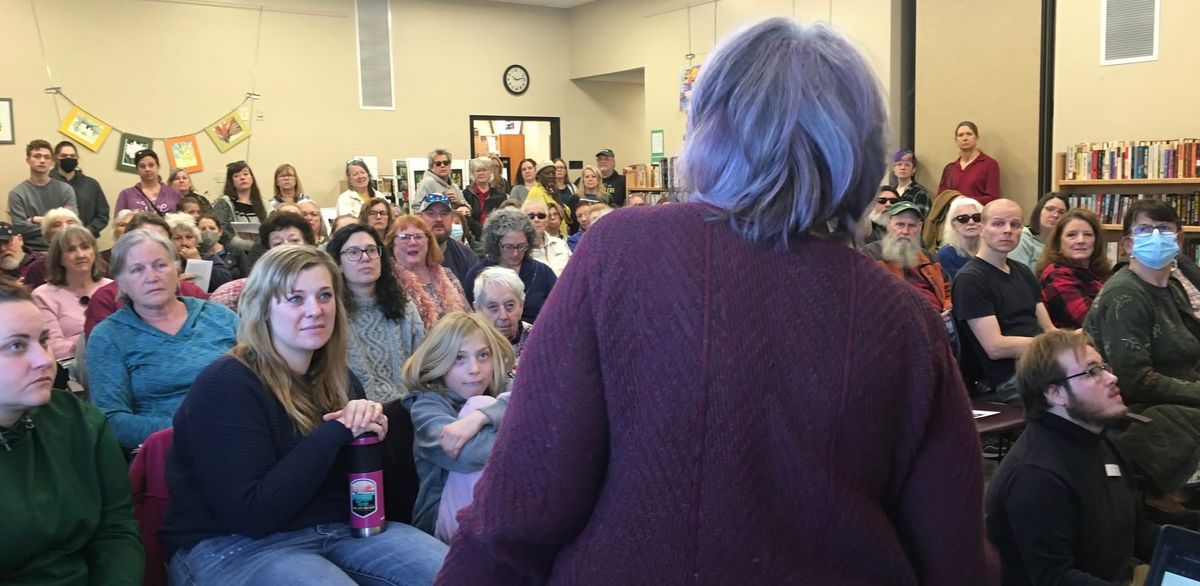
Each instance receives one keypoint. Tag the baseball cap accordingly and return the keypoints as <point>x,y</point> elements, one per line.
<point>6,231</point>
<point>905,206</point>
<point>433,199</point>
<point>605,153</point>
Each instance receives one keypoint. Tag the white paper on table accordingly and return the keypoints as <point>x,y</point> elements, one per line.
<point>981,414</point>
<point>203,271</point>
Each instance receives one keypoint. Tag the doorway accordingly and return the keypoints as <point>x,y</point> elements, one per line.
<point>514,138</point>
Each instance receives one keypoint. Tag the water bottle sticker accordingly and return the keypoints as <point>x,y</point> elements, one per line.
<point>363,498</point>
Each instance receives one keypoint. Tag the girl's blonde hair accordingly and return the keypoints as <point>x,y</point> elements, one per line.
<point>305,400</point>
<point>434,357</point>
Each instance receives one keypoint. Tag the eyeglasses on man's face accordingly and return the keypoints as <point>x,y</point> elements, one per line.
<point>356,254</point>
<point>887,201</point>
<point>1095,372</point>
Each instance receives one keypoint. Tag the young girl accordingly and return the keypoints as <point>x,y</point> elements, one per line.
<point>453,379</point>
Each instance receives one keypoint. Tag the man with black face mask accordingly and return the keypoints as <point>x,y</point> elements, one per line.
<point>89,196</point>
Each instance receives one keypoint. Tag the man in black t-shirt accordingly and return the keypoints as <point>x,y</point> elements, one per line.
<point>998,304</point>
<point>613,182</point>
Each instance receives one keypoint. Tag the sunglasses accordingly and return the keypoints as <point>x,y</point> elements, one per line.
<point>536,215</point>
<point>887,200</point>
<point>441,163</point>
<point>964,218</point>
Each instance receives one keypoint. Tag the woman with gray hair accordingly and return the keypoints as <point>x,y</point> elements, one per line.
<point>437,179</point>
<point>185,235</point>
<point>143,358</point>
<point>960,233</point>
<point>500,297</point>
<point>682,416</point>
<point>508,236</point>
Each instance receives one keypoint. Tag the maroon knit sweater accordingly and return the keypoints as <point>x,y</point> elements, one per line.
<point>693,409</point>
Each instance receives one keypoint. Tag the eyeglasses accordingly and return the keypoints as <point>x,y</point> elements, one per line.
<point>536,215</point>
<point>311,214</point>
<point>371,252</point>
<point>1143,230</point>
<point>964,218</point>
<point>405,237</point>
<point>285,176</point>
<point>377,214</point>
<point>510,248</point>
<point>1095,373</point>
<point>441,163</point>
<point>887,200</point>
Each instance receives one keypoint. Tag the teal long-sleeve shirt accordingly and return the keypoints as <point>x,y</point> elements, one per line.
<point>138,375</point>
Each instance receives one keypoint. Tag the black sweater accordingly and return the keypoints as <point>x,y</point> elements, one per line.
<point>239,465</point>
<point>1062,509</point>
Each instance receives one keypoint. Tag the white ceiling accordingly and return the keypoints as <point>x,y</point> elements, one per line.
<point>548,3</point>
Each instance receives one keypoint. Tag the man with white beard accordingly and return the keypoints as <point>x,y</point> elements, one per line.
<point>878,215</point>
<point>14,256</point>
<point>900,253</point>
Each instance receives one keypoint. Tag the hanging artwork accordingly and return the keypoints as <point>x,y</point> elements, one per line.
<point>86,129</point>
<point>687,81</point>
<point>227,132</point>
<point>6,122</point>
<point>183,152</point>
<point>130,145</point>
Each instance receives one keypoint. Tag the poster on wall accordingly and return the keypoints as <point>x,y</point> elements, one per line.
<point>130,145</point>
<point>687,81</point>
<point>7,136</point>
<point>183,152</point>
<point>85,129</point>
<point>400,167</point>
<point>227,132</point>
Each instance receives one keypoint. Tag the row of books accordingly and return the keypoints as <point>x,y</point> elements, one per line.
<point>1130,159</point>
<point>660,175</point>
<point>1111,207</point>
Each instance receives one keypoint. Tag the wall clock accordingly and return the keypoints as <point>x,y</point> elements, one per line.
<point>516,79</point>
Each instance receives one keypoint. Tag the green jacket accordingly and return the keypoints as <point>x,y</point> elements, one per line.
<point>64,500</point>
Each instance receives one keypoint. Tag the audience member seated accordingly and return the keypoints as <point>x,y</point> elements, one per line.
<point>312,213</point>
<point>186,238</point>
<point>960,234</point>
<point>417,261</point>
<point>1063,507</point>
<point>1042,220</point>
<point>901,254</point>
<point>904,170</point>
<point>74,276</point>
<point>236,261</point>
<point>526,179</point>
<point>635,200</point>
<point>1146,330</point>
<point>500,297</point>
<point>585,220</point>
<point>1073,268</point>
<point>384,324</point>
<point>506,241</point>
<point>15,257</point>
<point>120,224</point>
<point>998,304</point>
<point>67,513</point>
<point>550,250</point>
<point>545,191</point>
<point>458,233</point>
<point>377,214</point>
<point>878,216</point>
<point>280,228</point>
<point>143,358</point>
<point>107,300</point>
<point>435,210</point>
<point>53,223</point>
<point>973,173</point>
<point>554,222</point>
<point>342,221</point>
<point>1187,272</point>
<point>241,203</point>
<point>457,383</point>
<point>258,471</point>
<point>191,206</point>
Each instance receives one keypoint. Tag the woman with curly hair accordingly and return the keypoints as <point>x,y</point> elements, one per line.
<point>418,263</point>
<point>508,236</point>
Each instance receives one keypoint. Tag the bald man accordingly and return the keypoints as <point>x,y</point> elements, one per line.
<point>997,303</point>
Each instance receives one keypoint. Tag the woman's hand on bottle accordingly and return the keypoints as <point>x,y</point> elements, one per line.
<point>361,416</point>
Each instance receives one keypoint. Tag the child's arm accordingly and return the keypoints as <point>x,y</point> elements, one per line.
<point>431,415</point>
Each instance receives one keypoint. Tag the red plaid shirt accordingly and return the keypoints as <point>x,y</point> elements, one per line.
<point>1068,292</point>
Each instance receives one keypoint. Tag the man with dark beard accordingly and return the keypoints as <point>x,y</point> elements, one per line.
<point>901,254</point>
<point>1062,507</point>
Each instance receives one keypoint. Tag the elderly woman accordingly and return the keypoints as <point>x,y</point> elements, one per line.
<point>498,179</point>
<point>483,195</point>
<point>72,277</point>
<point>385,326</point>
<point>360,189</point>
<point>181,181</point>
<point>149,193</point>
<point>960,234</point>
<point>508,237</point>
<point>257,473</point>
<point>242,202</point>
<point>185,235</point>
<point>1073,268</point>
<point>437,179</point>
<point>377,214</point>
<point>418,263</point>
<point>546,248</point>
<point>312,214</point>
<point>554,221</point>
<point>119,223</point>
<point>1042,219</point>
<point>288,188</point>
<point>526,179</point>
<point>653,446</point>
<point>236,261</point>
<point>143,358</point>
<point>67,515</point>
<point>500,297</point>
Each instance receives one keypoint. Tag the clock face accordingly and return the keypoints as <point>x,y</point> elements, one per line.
<point>516,79</point>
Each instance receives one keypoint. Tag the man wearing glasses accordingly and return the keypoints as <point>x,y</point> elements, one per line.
<point>1062,507</point>
<point>434,208</point>
<point>878,216</point>
<point>1146,329</point>
<point>437,180</point>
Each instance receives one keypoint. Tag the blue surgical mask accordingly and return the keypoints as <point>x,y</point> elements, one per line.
<point>456,232</point>
<point>1155,250</point>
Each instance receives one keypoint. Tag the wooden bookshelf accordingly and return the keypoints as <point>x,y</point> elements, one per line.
<point>1131,183</point>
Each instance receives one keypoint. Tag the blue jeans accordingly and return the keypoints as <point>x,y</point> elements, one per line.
<point>325,554</point>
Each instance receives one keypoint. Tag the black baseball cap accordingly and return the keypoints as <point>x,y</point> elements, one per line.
<point>605,153</point>
<point>6,231</point>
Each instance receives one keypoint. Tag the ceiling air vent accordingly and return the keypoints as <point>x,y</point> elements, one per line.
<point>1128,31</point>
<point>374,25</point>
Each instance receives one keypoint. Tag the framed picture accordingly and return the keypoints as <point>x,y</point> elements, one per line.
<point>6,122</point>
<point>183,152</point>
<point>86,129</point>
<point>130,145</point>
<point>227,132</point>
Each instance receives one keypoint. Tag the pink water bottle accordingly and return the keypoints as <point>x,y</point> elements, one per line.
<point>366,486</point>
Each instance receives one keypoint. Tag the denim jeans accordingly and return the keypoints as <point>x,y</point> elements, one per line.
<point>325,554</point>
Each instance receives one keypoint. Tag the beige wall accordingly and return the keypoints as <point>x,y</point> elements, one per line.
<point>986,72</point>
<point>1137,101</point>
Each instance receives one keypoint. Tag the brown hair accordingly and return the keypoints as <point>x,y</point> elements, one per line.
<point>374,201</point>
<point>1038,367</point>
<point>1098,264</point>
<point>55,273</point>
<point>37,144</point>
<point>275,185</point>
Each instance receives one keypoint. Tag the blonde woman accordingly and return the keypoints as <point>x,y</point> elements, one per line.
<point>258,481</point>
<point>457,380</point>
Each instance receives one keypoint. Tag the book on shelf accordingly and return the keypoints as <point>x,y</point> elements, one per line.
<point>1128,159</point>
<point>1111,207</point>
